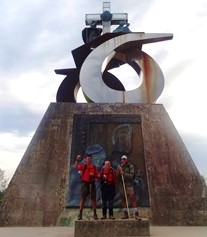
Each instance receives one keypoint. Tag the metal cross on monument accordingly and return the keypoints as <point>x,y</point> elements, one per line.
<point>106,19</point>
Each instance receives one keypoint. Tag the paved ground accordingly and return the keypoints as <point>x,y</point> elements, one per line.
<point>155,231</point>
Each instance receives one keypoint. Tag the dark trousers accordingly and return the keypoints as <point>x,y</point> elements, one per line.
<point>107,193</point>
<point>88,189</point>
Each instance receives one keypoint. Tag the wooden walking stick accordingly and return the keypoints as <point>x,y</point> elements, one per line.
<point>125,194</point>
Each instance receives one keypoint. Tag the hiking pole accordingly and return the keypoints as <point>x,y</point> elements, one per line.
<point>125,194</point>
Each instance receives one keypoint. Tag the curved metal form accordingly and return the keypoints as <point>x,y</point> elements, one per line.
<point>68,89</point>
<point>93,61</point>
<point>124,48</point>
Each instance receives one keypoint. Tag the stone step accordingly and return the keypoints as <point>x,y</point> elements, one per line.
<point>69,215</point>
<point>112,228</point>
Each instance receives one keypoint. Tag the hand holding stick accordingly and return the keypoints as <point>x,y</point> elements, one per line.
<point>121,171</point>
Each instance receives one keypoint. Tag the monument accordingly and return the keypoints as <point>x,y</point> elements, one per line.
<point>44,190</point>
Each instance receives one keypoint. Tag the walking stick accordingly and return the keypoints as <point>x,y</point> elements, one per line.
<point>125,194</point>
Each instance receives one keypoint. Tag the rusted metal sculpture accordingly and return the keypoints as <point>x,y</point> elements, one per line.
<point>103,52</point>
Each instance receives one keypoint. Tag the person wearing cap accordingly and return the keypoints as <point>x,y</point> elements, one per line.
<point>108,186</point>
<point>126,172</point>
<point>89,174</point>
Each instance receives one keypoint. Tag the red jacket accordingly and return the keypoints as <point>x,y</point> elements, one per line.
<point>88,172</point>
<point>108,176</point>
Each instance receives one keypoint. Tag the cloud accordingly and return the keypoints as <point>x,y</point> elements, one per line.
<point>192,142</point>
<point>19,119</point>
<point>38,36</point>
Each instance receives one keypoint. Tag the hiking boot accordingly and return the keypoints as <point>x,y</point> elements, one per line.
<point>80,217</point>
<point>111,217</point>
<point>125,216</point>
<point>95,217</point>
<point>103,217</point>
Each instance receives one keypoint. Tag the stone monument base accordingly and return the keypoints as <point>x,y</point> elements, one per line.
<point>38,194</point>
<point>113,228</point>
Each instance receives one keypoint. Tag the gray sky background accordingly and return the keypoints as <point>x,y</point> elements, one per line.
<point>37,37</point>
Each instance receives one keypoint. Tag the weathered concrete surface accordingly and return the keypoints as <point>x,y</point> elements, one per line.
<point>36,195</point>
<point>114,228</point>
<point>69,216</point>
<point>155,231</point>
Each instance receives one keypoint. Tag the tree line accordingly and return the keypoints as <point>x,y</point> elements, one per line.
<point>3,183</point>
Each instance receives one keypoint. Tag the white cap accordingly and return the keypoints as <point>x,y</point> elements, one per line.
<point>124,157</point>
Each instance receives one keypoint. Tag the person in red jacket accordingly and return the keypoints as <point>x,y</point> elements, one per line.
<point>89,174</point>
<point>108,184</point>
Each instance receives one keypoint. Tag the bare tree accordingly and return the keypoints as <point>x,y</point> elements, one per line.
<point>3,183</point>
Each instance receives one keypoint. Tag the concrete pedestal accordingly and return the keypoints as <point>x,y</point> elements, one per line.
<point>39,191</point>
<point>115,228</point>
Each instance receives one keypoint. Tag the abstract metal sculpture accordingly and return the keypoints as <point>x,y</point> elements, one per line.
<point>103,52</point>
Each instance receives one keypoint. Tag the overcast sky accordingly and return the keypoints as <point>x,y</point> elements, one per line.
<point>37,37</point>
